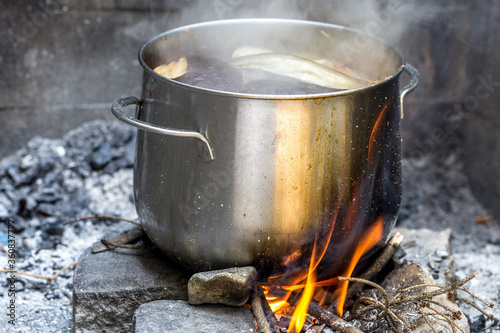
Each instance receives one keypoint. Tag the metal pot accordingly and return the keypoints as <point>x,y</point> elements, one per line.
<point>225,179</point>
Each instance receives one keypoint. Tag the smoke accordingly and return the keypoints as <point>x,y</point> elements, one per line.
<point>386,19</point>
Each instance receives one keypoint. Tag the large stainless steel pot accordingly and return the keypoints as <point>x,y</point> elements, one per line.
<point>225,179</point>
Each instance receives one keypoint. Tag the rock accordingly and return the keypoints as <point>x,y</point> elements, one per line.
<point>230,286</point>
<point>431,249</point>
<point>179,316</point>
<point>109,286</point>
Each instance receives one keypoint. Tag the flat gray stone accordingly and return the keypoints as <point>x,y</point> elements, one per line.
<point>431,249</point>
<point>181,317</point>
<point>109,286</point>
<point>229,286</point>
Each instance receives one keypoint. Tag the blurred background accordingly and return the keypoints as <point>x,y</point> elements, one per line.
<point>63,62</point>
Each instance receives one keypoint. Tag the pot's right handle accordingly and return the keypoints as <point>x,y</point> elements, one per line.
<point>414,80</point>
<point>117,110</point>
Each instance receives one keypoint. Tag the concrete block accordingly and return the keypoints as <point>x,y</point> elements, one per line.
<point>109,286</point>
<point>180,316</point>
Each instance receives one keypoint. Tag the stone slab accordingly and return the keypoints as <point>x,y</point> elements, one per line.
<point>109,286</point>
<point>180,316</point>
<point>431,249</point>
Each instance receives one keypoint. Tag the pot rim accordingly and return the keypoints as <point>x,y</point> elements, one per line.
<point>157,76</point>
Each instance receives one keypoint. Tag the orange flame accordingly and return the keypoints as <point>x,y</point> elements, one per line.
<point>306,280</point>
<point>369,240</point>
<point>300,313</point>
<point>371,237</point>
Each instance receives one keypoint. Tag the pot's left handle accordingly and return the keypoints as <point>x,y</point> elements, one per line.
<point>117,110</point>
<point>414,80</point>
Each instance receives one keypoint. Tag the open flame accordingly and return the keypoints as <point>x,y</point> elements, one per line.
<point>307,284</point>
<point>283,290</point>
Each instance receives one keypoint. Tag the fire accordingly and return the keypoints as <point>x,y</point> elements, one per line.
<point>306,281</point>
<point>300,313</point>
<point>369,240</point>
<point>303,281</point>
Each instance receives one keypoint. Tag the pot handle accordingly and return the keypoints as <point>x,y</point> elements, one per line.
<point>414,80</point>
<point>117,110</point>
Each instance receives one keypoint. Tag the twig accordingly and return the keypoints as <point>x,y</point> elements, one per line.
<point>331,320</point>
<point>488,304</point>
<point>100,216</point>
<point>373,284</point>
<point>424,315</point>
<point>119,241</point>
<point>448,319</point>
<point>423,300</point>
<point>48,278</point>
<point>125,246</point>
<point>431,294</point>
<point>258,312</point>
<point>455,297</point>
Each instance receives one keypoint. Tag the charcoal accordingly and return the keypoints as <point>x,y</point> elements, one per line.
<point>48,196</point>
<point>101,157</point>
<point>212,73</point>
<point>6,206</point>
<point>19,224</point>
<point>478,324</point>
<point>19,284</point>
<point>53,227</point>
<point>48,209</point>
<point>50,243</point>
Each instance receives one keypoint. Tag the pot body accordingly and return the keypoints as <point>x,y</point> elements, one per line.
<point>285,170</point>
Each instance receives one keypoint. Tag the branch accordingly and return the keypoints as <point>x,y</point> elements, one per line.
<point>48,278</point>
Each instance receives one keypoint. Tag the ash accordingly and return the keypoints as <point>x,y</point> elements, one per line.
<point>89,171</point>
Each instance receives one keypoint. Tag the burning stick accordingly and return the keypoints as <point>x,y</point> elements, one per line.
<point>331,320</point>
<point>258,312</point>
<point>262,312</point>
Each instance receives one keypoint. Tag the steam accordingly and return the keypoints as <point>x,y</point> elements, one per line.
<point>386,19</point>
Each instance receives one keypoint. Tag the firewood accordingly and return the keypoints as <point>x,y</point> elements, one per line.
<point>331,320</point>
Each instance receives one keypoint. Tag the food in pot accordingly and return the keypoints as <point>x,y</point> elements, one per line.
<point>300,68</point>
<point>258,71</point>
<point>174,69</point>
